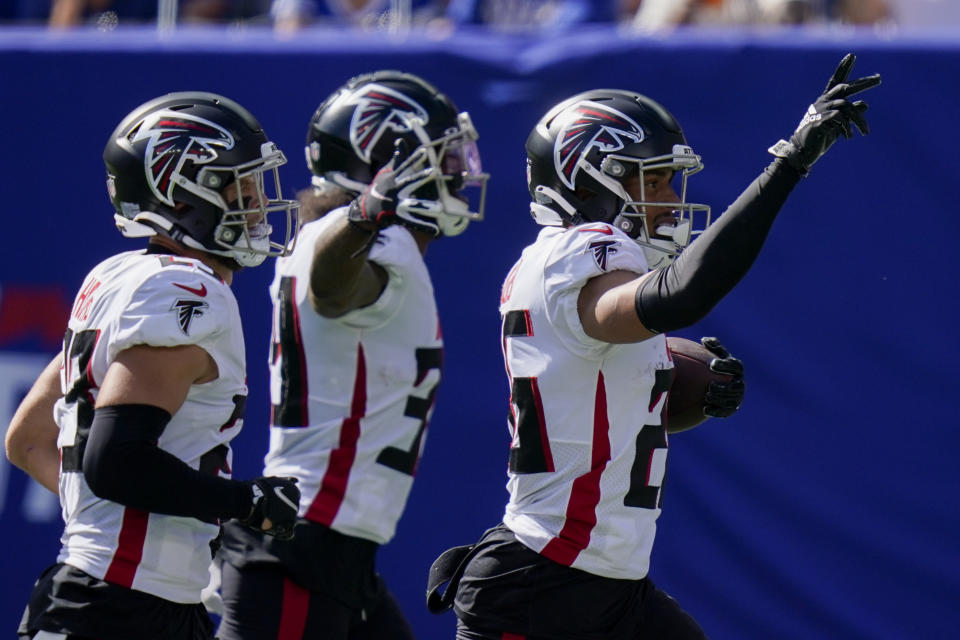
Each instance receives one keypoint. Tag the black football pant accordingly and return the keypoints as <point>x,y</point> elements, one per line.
<point>284,610</point>
<point>663,619</point>
<point>505,586</point>
<point>73,605</point>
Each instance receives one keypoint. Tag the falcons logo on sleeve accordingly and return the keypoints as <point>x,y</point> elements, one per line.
<point>380,108</point>
<point>601,249</point>
<point>186,311</point>
<point>173,140</point>
<point>590,124</point>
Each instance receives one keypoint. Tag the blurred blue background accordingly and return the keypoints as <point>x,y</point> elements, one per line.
<point>826,508</point>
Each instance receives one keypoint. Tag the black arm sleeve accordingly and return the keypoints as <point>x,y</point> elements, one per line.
<point>684,292</point>
<point>122,463</point>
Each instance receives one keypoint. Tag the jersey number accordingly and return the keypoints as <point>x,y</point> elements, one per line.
<point>530,451</point>
<point>291,410</point>
<point>419,408</point>
<point>650,463</point>
<point>77,351</point>
<point>287,350</point>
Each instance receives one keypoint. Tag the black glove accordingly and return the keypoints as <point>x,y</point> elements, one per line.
<point>380,203</point>
<point>276,499</point>
<point>376,207</point>
<point>723,398</point>
<point>827,118</point>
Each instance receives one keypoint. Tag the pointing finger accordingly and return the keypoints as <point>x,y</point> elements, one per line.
<point>843,70</point>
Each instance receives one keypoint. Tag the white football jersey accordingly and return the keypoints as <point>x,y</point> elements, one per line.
<point>352,396</point>
<point>130,299</point>
<point>589,448</point>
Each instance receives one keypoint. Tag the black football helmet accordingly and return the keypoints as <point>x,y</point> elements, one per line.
<point>581,151</point>
<point>361,126</point>
<point>170,166</point>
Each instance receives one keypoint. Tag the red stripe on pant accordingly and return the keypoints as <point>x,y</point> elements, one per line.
<point>293,611</point>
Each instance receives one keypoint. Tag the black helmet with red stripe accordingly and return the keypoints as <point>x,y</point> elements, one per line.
<point>192,166</point>
<point>580,154</point>
<point>362,125</point>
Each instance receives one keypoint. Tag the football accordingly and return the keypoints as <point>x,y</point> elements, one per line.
<point>692,378</point>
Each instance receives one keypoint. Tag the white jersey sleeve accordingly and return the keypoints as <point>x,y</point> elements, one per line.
<point>173,307</point>
<point>574,258</point>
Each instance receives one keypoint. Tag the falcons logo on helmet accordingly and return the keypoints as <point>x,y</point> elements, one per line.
<point>590,124</point>
<point>173,140</point>
<point>380,108</point>
<point>186,311</point>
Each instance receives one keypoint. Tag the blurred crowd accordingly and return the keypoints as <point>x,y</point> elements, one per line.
<point>640,15</point>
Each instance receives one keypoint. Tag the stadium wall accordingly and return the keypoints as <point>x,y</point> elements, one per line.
<point>827,508</point>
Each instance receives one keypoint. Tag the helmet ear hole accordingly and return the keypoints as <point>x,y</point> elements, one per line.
<point>631,227</point>
<point>210,180</point>
<point>227,235</point>
<point>613,168</point>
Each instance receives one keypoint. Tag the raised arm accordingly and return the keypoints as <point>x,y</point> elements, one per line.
<point>615,308</point>
<point>341,277</point>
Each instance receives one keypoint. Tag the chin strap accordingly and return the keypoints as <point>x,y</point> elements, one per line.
<point>546,216</point>
<point>142,225</point>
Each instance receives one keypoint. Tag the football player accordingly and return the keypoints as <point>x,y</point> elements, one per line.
<point>356,357</point>
<point>584,311</point>
<point>150,386</point>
